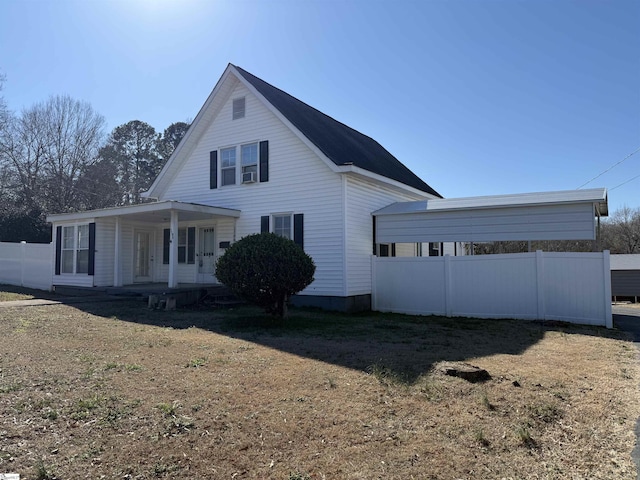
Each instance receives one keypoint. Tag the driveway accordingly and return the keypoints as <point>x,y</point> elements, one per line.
<point>627,317</point>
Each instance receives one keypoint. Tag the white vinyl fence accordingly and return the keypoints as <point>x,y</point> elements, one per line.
<point>26,264</point>
<point>572,287</point>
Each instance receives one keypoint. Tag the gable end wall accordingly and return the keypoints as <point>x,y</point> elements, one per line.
<point>299,182</point>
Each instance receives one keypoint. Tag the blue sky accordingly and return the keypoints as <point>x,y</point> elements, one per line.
<point>476,97</point>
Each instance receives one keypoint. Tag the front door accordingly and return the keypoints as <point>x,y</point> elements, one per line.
<point>142,259</point>
<point>207,255</point>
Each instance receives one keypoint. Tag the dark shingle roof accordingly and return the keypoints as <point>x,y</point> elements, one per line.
<point>340,143</point>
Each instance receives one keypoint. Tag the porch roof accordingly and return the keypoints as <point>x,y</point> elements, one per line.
<point>154,212</point>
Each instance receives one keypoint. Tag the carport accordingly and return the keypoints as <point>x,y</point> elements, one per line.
<point>563,215</point>
<point>566,286</point>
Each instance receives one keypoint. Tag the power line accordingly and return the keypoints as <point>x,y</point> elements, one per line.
<point>611,167</point>
<point>625,182</point>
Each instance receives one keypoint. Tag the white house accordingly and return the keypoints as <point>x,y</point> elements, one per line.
<point>257,159</point>
<point>254,159</point>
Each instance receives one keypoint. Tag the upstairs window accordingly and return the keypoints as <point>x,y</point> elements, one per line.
<point>238,108</point>
<point>228,166</point>
<point>249,162</point>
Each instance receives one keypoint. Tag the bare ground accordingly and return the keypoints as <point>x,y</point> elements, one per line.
<point>120,392</point>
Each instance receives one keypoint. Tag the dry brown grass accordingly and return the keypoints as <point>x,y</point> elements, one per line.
<point>10,293</point>
<point>117,391</point>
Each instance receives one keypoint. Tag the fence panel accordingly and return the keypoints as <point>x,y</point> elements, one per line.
<point>573,287</point>
<point>26,265</point>
<point>407,284</point>
<point>494,286</point>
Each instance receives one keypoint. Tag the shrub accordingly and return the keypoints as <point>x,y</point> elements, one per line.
<point>266,269</point>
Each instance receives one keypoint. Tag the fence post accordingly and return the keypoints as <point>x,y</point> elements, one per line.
<point>448,306</point>
<point>606,269</point>
<point>540,284</point>
<point>23,247</point>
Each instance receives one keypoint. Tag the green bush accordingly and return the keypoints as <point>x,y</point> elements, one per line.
<point>266,269</point>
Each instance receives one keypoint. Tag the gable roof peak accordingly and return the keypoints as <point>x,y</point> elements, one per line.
<point>340,143</point>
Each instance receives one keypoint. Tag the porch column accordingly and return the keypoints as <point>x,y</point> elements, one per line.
<point>173,250</point>
<point>117,278</point>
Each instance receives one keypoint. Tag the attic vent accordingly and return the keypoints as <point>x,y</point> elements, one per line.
<point>238,108</point>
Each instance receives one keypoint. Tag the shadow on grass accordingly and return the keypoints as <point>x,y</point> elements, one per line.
<point>399,347</point>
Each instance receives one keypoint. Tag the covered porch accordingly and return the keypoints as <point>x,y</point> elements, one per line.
<point>170,243</point>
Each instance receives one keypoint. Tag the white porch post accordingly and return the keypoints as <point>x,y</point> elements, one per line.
<point>173,250</point>
<point>117,278</point>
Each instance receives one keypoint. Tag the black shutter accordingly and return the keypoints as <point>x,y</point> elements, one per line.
<point>264,161</point>
<point>191,245</point>
<point>165,246</point>
<point>298,229</point>
<point>264,224</point>
<point>393,249</point>
<point>213,170</point>
<point>58,249</point>
<point>91,268</point>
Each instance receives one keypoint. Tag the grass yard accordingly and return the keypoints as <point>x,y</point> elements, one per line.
<point>115,391</point>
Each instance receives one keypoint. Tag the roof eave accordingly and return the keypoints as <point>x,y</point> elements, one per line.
<point>352,169</point>
<point>166,205</point>
<point>598,200</point>
<point>301,136</point>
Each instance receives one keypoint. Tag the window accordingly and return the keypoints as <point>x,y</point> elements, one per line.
<point>228,166</point>
<point>68,249</point>
<point>82,253</point>
<point>238,108</point>
<point>282,226</point>
<point>286,225</point>
<point>75,249</point>
<point>249,160</point>
<point>253,167</point>
<point>186,245</point>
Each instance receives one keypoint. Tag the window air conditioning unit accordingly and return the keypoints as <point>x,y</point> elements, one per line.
<point>249,177</point>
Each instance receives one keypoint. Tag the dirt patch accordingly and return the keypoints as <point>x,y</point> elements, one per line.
<point>117,391</point>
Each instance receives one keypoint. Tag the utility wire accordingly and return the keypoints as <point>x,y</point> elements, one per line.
<point>611,167</point>
<point>625,182</point>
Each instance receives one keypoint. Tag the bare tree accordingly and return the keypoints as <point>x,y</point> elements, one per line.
<point>621,232</point>
<point>46,148</point>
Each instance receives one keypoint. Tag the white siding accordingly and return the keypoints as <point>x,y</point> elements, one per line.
<point>299,182</point>
<point>105,238</point>
<point>548,222</point>
<point>362,198</point>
